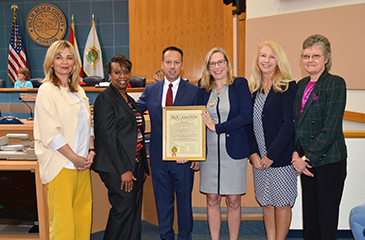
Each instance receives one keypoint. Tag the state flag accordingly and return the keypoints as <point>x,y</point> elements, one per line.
<point>72,40</point>
<point>93,62</point>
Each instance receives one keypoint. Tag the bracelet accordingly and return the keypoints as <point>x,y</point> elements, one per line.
<point>92,150</point>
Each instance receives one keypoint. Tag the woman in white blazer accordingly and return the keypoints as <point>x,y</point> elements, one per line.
<point>64,144</point>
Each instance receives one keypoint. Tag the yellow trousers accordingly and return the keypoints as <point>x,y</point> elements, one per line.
<point>70,205</point>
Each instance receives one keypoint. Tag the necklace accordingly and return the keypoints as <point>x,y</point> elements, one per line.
<point>216,93</point>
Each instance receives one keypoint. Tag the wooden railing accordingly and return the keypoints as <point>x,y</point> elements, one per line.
<point>354,117</point>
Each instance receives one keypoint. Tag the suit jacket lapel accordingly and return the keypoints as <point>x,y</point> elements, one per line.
<point>310,99</point>
<point>180,92</point>
<point>121,101</point>
<point>298,103</point>
<point>269,99</point>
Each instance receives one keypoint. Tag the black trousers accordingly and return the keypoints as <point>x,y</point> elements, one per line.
<point>321,198</point>
<point>124,220</point>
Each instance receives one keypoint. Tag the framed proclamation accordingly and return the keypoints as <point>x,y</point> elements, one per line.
<point>183,133</point>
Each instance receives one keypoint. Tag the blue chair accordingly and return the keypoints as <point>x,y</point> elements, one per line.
<point>357,222</point>
<point>10,120</point>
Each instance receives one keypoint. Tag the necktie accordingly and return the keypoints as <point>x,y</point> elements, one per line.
<point>169,101</point>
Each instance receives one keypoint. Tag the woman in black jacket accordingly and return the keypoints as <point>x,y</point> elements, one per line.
<point>120,152</point>
<point>271,137</point>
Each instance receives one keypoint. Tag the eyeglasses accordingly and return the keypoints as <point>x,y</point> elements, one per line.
<point>119,73</point>
<point>314,57</point>
<point>219,63</point>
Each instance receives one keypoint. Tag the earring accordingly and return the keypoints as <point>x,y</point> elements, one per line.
<point>228,70</point>
<point>209,72</point>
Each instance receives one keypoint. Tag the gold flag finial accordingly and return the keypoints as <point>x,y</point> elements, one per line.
<point>15,7</point>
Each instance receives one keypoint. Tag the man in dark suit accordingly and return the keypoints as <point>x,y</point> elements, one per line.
<point>170,178</point>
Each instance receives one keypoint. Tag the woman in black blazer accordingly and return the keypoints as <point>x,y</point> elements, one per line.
<point>271,136</point>
<point>320,153</point>
<point>120,152</point>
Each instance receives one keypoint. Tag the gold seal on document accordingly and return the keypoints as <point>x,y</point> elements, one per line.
<point>46,24</point>
<point>174,149</point>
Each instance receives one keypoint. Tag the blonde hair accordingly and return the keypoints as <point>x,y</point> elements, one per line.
<point>282,75</point>
<point>55,49</point>
<point>207,80</point>
<point>160,74</point>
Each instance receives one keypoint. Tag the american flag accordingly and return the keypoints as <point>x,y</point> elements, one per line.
<point>17,58</point>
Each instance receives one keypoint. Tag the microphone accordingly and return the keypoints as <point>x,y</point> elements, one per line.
<point>30,109</point>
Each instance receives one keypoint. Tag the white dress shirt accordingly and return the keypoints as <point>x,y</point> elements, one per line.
<point>175,86</point>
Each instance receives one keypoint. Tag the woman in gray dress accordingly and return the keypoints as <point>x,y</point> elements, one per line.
<point>228,103</point>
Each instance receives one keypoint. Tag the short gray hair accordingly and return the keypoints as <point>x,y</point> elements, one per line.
<point>323,43</point>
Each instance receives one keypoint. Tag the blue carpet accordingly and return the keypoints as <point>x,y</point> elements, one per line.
<point>248,231</point>
<point>251,230</point>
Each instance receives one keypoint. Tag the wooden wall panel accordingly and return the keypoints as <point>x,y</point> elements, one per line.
<point>344,27</point>
<point>194,26</point>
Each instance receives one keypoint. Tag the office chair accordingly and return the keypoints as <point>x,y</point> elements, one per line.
<point>2,83</point>
<point>36,82</point>
<point>92,80</point>
<point>138,82</point>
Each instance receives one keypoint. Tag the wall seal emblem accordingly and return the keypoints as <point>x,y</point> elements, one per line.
<point>46,24</point>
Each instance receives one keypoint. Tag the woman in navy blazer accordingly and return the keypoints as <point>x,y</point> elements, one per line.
<point>271,137</point>
<point>228,104</point>
<point>319,146</point>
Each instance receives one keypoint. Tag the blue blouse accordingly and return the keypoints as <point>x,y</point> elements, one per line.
<point>26,83</point>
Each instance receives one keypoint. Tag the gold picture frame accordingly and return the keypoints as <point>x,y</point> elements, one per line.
<point>184,133</point>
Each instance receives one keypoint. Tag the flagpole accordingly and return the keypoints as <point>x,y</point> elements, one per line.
<point>72,40</point>
<point>15,7</point>
<point>94,37</point>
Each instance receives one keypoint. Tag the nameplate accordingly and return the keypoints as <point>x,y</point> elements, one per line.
<point>28,97</point>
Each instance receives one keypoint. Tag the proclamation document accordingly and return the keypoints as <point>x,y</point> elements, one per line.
<point>183,133</point>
